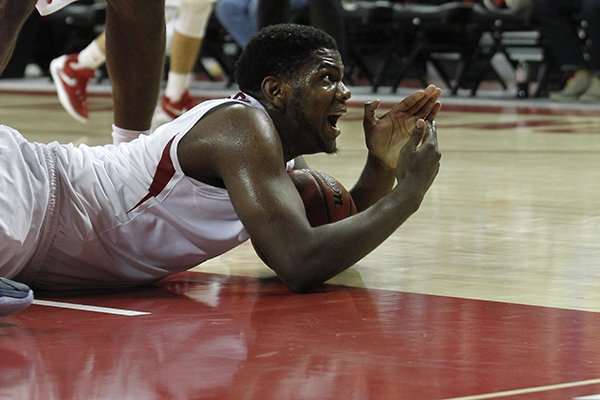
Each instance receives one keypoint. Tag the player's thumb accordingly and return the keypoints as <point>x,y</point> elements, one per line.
<point>370,108</point>
<point>418,133</point>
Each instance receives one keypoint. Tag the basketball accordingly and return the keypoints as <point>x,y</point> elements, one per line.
<point>325,199</point>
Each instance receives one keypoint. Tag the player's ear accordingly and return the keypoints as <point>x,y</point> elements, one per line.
<point>276,91</point>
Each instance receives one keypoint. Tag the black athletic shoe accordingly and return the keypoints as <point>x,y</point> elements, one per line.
<point>14,297</point>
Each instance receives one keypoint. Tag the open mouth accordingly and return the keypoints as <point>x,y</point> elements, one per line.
<point>333,119</point>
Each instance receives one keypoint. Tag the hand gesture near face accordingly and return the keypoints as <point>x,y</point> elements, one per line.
<point>419,160</point>
<point>386,135</point>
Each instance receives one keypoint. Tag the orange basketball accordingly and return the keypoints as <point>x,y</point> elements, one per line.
<point>325,199</point>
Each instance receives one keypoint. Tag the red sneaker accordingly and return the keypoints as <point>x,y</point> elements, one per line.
<point>175,108</point>
<point>495,5</point>
<point>167,110</point>
<point>71,85</point>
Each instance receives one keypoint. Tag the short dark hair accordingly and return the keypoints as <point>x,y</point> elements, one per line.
<point>278,50</point>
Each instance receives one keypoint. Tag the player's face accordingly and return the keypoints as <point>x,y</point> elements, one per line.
<point>319,101</point>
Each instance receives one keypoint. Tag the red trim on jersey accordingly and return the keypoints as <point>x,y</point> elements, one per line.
<point>239,96</point>
<point>164,172</point>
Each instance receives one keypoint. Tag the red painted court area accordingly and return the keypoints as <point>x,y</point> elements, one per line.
<point>222,337</point>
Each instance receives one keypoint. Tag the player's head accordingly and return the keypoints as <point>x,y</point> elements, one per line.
<point>280,51</point>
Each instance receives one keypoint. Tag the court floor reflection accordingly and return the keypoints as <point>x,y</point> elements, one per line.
<point>223,337</point>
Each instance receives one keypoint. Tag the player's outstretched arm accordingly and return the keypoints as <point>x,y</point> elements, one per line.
<point>304,256</point>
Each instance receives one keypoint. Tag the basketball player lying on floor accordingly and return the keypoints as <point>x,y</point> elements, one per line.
<point>130,214</point>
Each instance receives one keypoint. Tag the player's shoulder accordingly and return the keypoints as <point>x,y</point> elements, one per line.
<point>228,125</point>
<point>238,109</point>
<point>239,117</point>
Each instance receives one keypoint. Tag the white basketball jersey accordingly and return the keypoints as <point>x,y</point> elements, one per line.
<point>128,215</point>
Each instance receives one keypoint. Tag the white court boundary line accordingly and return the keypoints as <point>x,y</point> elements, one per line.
<point>82,307</point>
<point>528,390</point>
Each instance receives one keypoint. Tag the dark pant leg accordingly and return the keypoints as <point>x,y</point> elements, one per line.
<point>328,15</point>
<point>590,11</point>
<point>553,18</point>
<point>272,12</point>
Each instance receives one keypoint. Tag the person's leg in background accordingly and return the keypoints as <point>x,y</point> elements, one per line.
<point>191,18</point>
<point>71,74</point>
<point>239,18</point>
<point>553,18</point>
<point>272,12</point>
<point>328,15</point>
<point>323,14</point>
<point>13,15</point>
<point>590,11</point>
<point>135,49</point>
<point>189,30</point>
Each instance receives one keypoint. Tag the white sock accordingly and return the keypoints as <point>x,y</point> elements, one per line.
<point>177,83</point>
<point>121,135</point>
<point>91,57</point>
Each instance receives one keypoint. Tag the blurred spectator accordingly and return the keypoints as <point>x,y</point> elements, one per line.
<point>327,15</point>
<point>558,21</point>
<point>240,17</point>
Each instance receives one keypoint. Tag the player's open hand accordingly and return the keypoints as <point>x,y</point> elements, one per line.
<point>386,135</point>
<point>419,160</point>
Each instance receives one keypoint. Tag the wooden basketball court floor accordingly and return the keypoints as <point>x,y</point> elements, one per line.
<point>490,291</point>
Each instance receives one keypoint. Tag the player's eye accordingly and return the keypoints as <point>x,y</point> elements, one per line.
<point>330,79</point>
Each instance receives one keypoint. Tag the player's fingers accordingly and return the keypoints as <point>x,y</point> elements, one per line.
<point>417,135</point>
<point>419,103</point>
<point>410,103</point>
<point>430,136</point>
<point>370,108</point>
<point>431,140</point>
<point>433,113</point>
<point>435,137</point>
<point>429,102</point>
